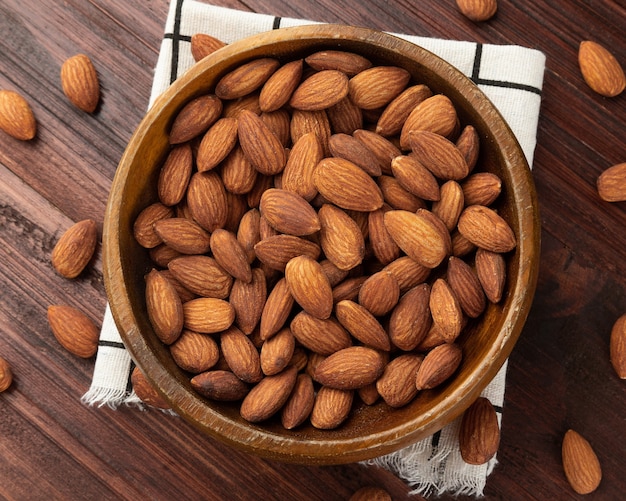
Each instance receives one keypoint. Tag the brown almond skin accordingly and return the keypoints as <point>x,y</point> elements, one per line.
<point>202,275</point>
<point>268,396</point>
<point>397,111</point>
<point>230,255</point>
<point>246,78</point>
<point>16,116</point>
<point>241,355</point>
<point>323,336</point>
<point>80,82</point>
<point>600,69</point>
<point>383,246</point>
<point>481,188</point>
<point>195,118</point>
<point>580,463</point>
<point>183,235</point>
<point>220,385</point>
<point>208,315</point>
<point>450,204</point>
<point>317,122</point>
<point>194,352</point>
<point>468,144</point>
<point>331,408</point>
<point>350,368</point>
<point>238,174</point>
<point>486,229</point>
<point>248,300</point>
<point>376,87</point>
<point>74,330</point>
<point>207,200</point>
<point>438,365</point>
<point>466,287</point>
<point>277,90</point>
<point>446,309</point>
<point>435,114</point>
<point>382,148</point>
<point>438,154</point>
<point>362,325</point>
<point>379,293</point>
<point>145,391</point>
<point>75,249</point>
<point>320,91</point>
<point>370,494</point>
<point>491,271</point>
<point>143,227</point>
<point>217,142</point>
<point>348,288</point>
<point>277,351</point>
<point>479,434</point>
<point>248,232</point>
<point>202,45</point>
<point>611,183</point>
<point>341,238</point>
<point>304,156</point>
<point>174,175</point>
<point>165,309</point>
<point>408,272</point>
<point>348,147</point>
<point>415,178</point>
<point>289,213</point>
<point>261,146</point>
<point>397,196</point>
<point>397,383</point>
<point>618,347</point>
<point>478,10</point>
<point>410,320</point>
<point>346,62</point>
<point>309,286</point>
<point>345,117</point>
<point>300,404</point>
<point>6,375</point>
<point>276,310</point>
<point>276,251</point>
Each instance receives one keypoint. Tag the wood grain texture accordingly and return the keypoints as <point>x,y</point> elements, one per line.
<point>53,447</point>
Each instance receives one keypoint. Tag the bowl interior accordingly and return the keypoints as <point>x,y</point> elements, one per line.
<point>371,430</point>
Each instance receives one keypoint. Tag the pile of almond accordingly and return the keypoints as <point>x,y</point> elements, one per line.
<point>320,233</point>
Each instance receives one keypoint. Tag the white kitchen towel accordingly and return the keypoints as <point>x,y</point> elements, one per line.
<point>511,76</point>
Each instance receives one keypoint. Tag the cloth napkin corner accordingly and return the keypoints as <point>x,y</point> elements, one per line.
<point>511,76</point>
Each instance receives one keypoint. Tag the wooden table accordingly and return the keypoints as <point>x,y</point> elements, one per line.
<point>560,377</point>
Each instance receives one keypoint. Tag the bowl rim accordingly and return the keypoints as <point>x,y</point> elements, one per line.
<point>290,448</point>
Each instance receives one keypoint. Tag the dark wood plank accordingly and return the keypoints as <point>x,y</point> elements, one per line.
<point>53,447</point>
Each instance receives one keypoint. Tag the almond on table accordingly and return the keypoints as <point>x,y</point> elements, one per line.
<point>16,116</point>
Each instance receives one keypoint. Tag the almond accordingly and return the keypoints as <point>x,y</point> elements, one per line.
<point>165,309</point>
<point>485,228</point>
<point>194,352</point>
<point>297,176</point>
<point>288,212</point>
<point>238,174</point>
<point>248,232</point>
<point>277,351</point>
<point>345,117</point>
<point>278,89</point>
<point>397,111</point>
<point>362,325</point>
<point>248,301</point>
<point>16,116</point>
<point>478,10</point>
<point>184,293</point>
<point>246,78</point>
<point>202,275</point>
<point>331,407</point>
<point>600,69</point>
<point>221,385</point>
<point>368,394</point>
<point>410,320</point>
<point>320,91</point>
<point>438,365</point>
<point>461,246</point>
<point>435,114</point>
<point>230,255</point>
<point>317,122</point>
<point>383,246</point>
<point>174,175</point>
<point>450,204</point>
<point>276,251</point>
<point>218,141</point>
<point>397,197</point>
<point>143,227</point>
<point>74,330</point>
<point>468,144</point>
<point>380,293</point>
<point>80,82</point>
<point>415,178</point>
<point>300,404</point>
<point>145,391</point>
<point>482,188</point>
<point>195,118</point>
<point>491,272</point>
<point>75,249</point>
<point>268,396</point>
<point>348,288</point>
<point>341,238</point>
<point>323,336</point>
<point>438,154</point>
<point>479,434</point>
<point>580,463</point>
<point>276,310</point>
<point>466,287</point>
<point>345,146</point>
<point>334,274</point>
<point>183,235</point>
<point>347,185</point>
<point>350,368</point>
<point>377,86</point>
<point>408,272</point>
<point>202,45</point>
<point>383,149</point>
<point>6,375</point>
<point>261,146</point>
<point>207,202</point>
<point>417,236</point>
<point>346,62</point>
<point>233,107</point>
<point>612,183</point>
<point>370,494</point>
<point>241,355</point>
<point>618,347</point>
<point>397,383</point>
<point>446,310</point>
<point>208,315</point>
<point>309,286</point>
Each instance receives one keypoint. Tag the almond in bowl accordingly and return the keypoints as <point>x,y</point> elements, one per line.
<point>331,276</point>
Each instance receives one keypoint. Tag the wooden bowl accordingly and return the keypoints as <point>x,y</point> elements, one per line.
<point>370,431</point>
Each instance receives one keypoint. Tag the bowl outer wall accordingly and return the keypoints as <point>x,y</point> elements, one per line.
<point>369,432</point>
